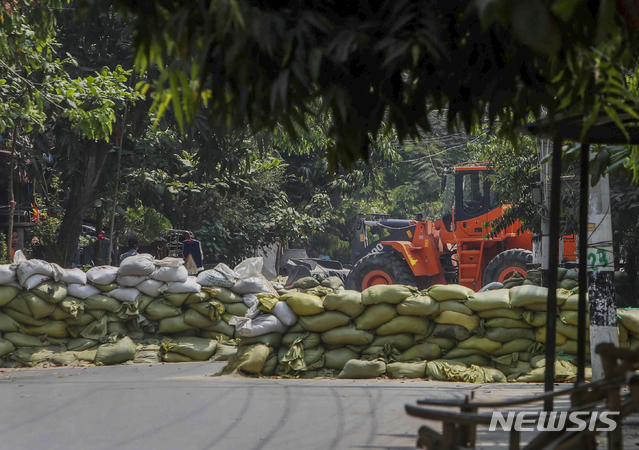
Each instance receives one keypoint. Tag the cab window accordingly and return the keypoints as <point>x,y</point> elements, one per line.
<point>473,193</point>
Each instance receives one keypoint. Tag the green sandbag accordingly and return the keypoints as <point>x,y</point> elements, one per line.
<point>25,340</point>
<point>102,303</point>
<point>198,349</point>
<point>347,302</point>
<point>58,314</point>
<point>424,351</point>
<point>8,293</point>
<point>572,318</point>
<point>483,301</point>
<point>24,319</point>
<point>63,359</point>
<point>80,344</point>
<point>95,330</point>
<point>454,305</point>
<point>223,352</point>
<point>406,370</point>
<point>303,304</point>
<point>143,301</point>
<point>564,372</point>
<point>310,340</point>
<point>515,280</point>
<point>454,332</point>
<point>8,324</point>
<point>629,318</point>
<point>443,292</point>
<point>197,320</point>
<point>347,335</point>
<point>222,327</point>
<point>214,335</point>
<point>82,320</point>
<point>320,291</point>
<point>623,333</point>
<point>401,341</point>
<point>324,321</point>
<point>382,293</point>
<point>249,359</point>
<point>51,291</point>
<point>176,299</point>
<point>568,284</point>
<point>333,283</point>
<point>116,353</point>
<point>73,306</point>
<point>509,334</point>
<point>480,343</point>
<point>513,346</point>
<point>172,357</point>
<point>454,318</point>
<point>476,359</point>
<point>87,355</point>
<point>39,308</point>
<point>172,325</point>
<point>306,283</point>
<point>540,336</point>
<point>213,309</point>
<point>161,309</point>
<point>357,369</point>
<point>444,344</point>
<point>273,340</point>
<point>422,305</point>
<point>375,316</point>
<point>31,356</point>
<point>269,366</point>
<point>520,368</point>
<point>404,324</point>
<point>6,347</point>
<point>503,322</point>
<point>572,304</point>
<point>440,369</point>
<point>106,287</point>
<point>458,353</point>
<point>536,318</point>
<point>514,313</point>
<point>526,295</point>
<point>237,309</point>
<point>148,354</point>
<point>118,328</point>
<point>337,359</point>
<point>54,328</point>
<point>453,371</point>
<point>18,304</point>
<point>197,297</point>
<point>222,294</point>
<point>534,276</point>
<point>570,331</point>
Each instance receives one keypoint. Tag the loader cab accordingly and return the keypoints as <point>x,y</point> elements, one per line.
<point>467,195</point>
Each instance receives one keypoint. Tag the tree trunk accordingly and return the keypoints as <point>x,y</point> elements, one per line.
<point>97,253</point>
<point>81,193</point>
<point>12,202</point>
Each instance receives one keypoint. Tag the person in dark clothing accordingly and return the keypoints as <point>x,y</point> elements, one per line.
<point>193,248</point>
<point>133,249</point>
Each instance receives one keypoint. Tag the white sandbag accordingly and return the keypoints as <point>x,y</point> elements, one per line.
<point>102,274</point>
<point>253,311</point>
<point>35,281</point>
<point>214,278</point>
<point>189,286</point>
<point>27,268</point>
<point>250,300</point>
<point>264,324</point>
<point>252,285</point>
<point>73,276</point>
<point>129,280</point>
<point>169,261</point>
<point>284,312</point>
<point>140,264</point>
<point>125,294</point>
<point>7,274</point>
<point>170,274</point>
<point>249,268</point>
<point>82,291</point>
<point>229,273</point>
<point>152,288</point>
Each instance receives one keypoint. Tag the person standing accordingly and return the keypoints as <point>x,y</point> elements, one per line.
<point>15,237</point>
<point>192,248</point>
<point>133,249</point>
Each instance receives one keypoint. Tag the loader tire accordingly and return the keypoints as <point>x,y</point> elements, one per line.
<point>380,268</point>
<point>504,265</point>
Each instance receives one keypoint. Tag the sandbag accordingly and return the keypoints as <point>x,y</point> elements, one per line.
<point>25,340</point>
<point>514,346</point>
<point>564,371</point>
<point>117,328</point>
<point>188,286</point>
<point>404,324</point>
<point>27,268</point>
<point>347,335</point>
<point>161,309</point>
<point>458,353</point>
<point>375,316</point>
<point>51,291</point>
<point>18,304</point>
<point>570,331</point>
<point>509,334</point>
<point>171,325</point>
<point>440,369</point>
<point>73,276</point>
<point>8,324</point>
<point>34,281</point>
<point>95,330</point>
<point>82,320</point>
<point>8,293</point>
<point>629,318</point>
<point>172,274</point>
<point>82,291</point>
<point>520,368</point>
<point>401,341</point>
<point>382,293</point>
<point>7,274</point>
<point>198,349</point>
<point>454,318</point>
<point>513,313</point>
<point>572,318</point>
<point>347,302</point>
<point>148,354</point>
<point>266,323</point>
<point>306,283</point>
<point>536,318</point>
<point>249,360</point>
<point>303,304</point>
<point>324,321</point>
<point>141,264</point>
<point>125,294</point>
<point>217,277</point>
<point>197,320</point>
<point>171,357</point>
<point>422,305</point>
<point>80,344</point>
<point>198,297</point>
<point>406,370</point>
<point>443,292</point>
<point>222,327</point>
<point>72,306</point>
<point>25,319</point>
<point>454,305</point>
<point>444,344</point>
<point>357,369</point>
<point>308,340</point>
<point>503,322</point>
<point>222,294</point>
<point>6,347</point>
<point>252,285</point>
<point>152,288</point>
<point>270,303</point>
<point>106,288</point>
<point>424,351</point>
<point>117,353</point>
<point>102,275</point>
<point>102,303</point>
<point>53,328</point>
<point>269,366</point>
<point>572,303</point>
<point>332,282</point>
<point>273,340</point>
<point>32,356</point>
<point>86,355</point>
<point>129,280</point>
<point>540,336</point>
<point>488,300</point>
<point>39,308</point>
<point>480,343</point>
<point>224,351</point>
<point>337,359</point>
<point>214,310</point>
<point>470,360</point>
<point>454,332</point>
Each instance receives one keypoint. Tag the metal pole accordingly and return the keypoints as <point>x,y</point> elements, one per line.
<point>117,185</point>
<point>583,268</point>
<point>545,220</point>
<point>553,266</point>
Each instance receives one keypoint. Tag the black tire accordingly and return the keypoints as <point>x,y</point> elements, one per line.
<point>392,264</point>
<point>510,258</point>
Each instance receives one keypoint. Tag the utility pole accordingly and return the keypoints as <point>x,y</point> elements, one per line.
<point>544,173</point>
<point>600,260</point>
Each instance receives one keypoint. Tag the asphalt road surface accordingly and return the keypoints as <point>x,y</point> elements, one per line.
<point>179,407</point>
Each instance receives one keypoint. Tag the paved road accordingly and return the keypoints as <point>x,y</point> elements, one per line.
<point>177,406</point>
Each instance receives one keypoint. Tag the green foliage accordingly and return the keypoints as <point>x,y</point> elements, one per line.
<point>3,249</point>
<point>145,223</point>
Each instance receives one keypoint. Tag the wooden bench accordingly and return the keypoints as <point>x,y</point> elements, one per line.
<point>460,426</point>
